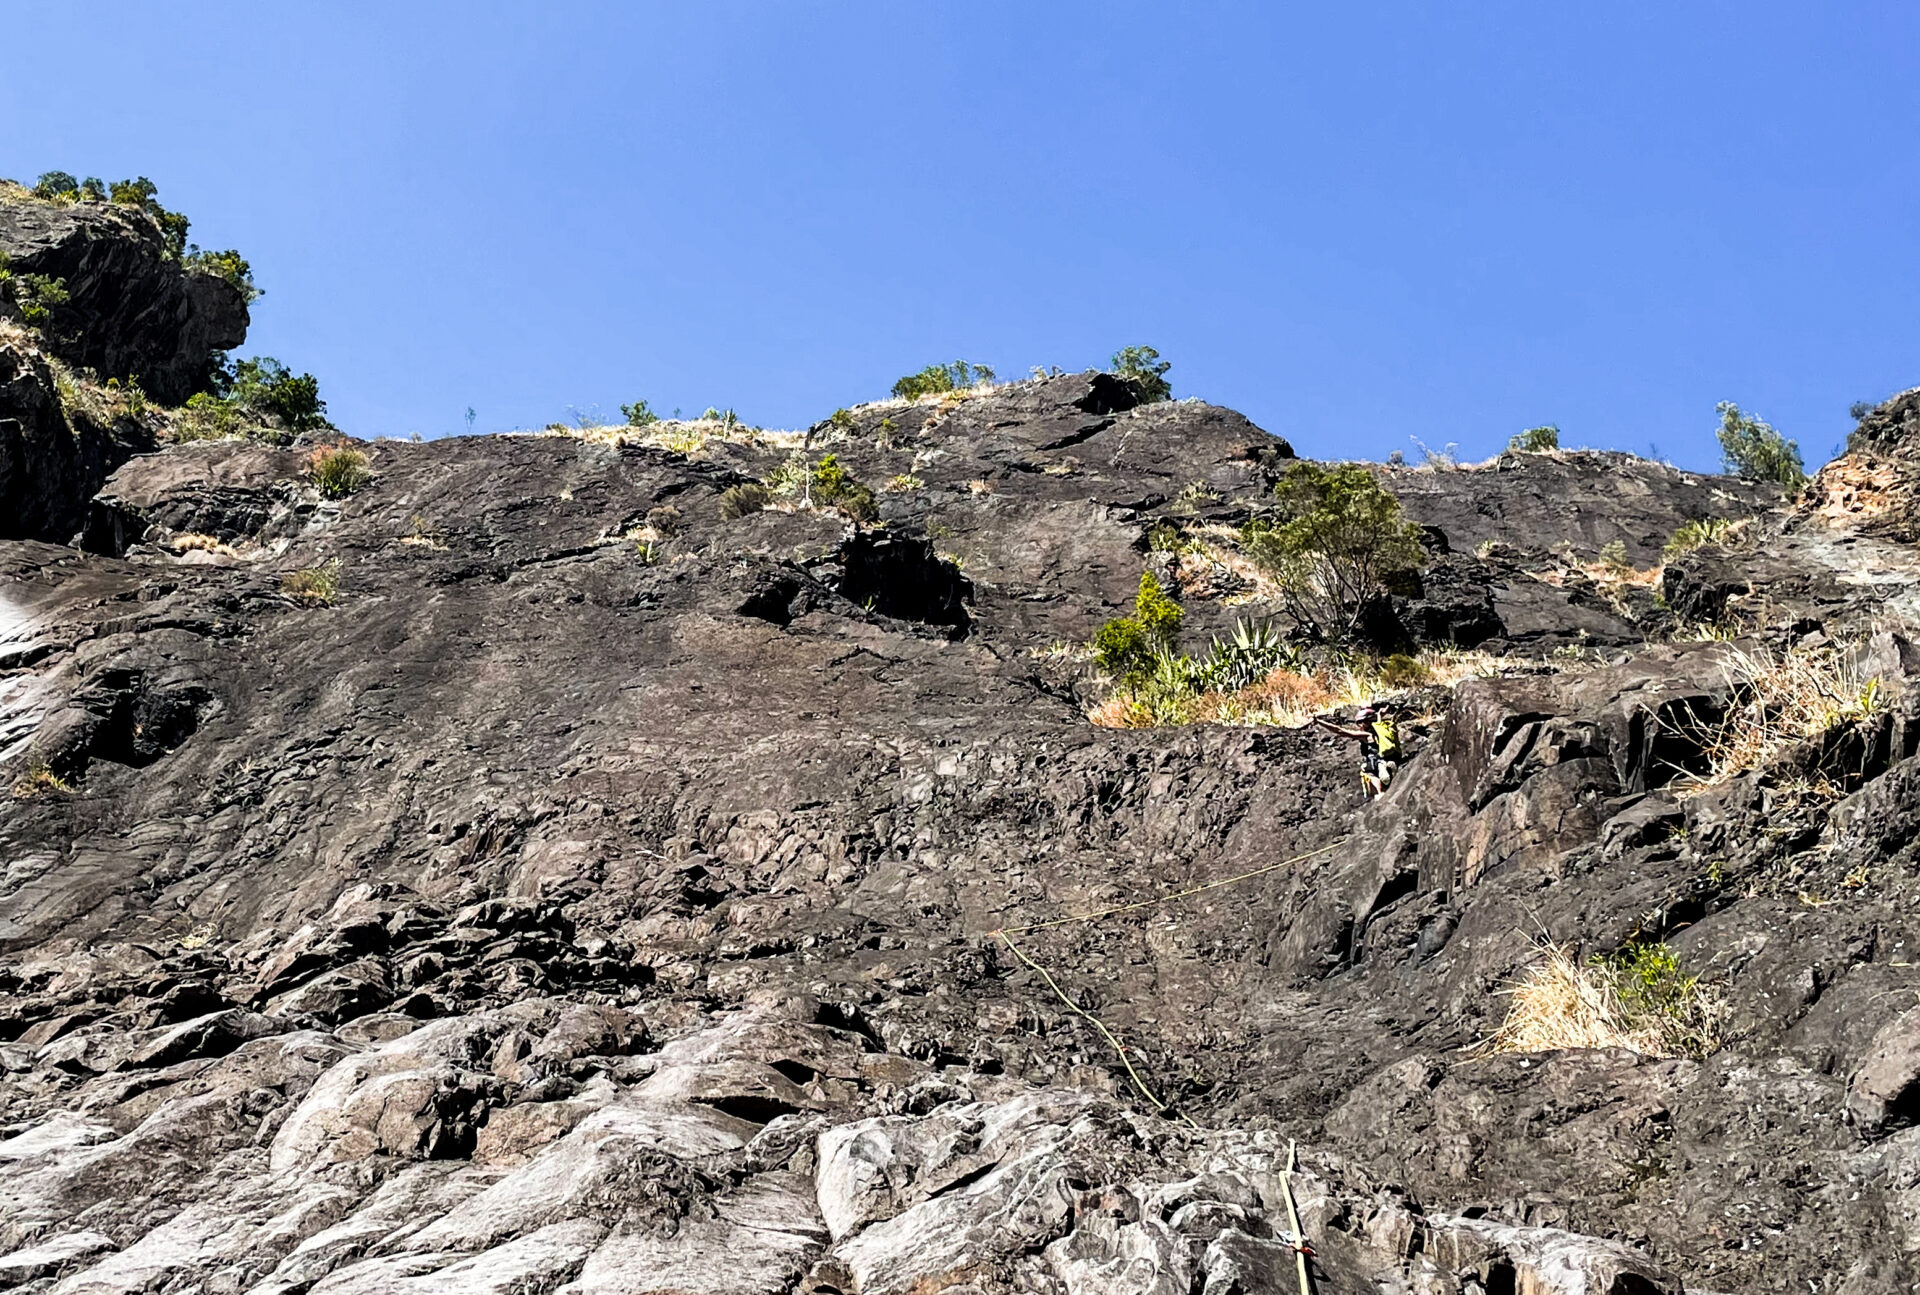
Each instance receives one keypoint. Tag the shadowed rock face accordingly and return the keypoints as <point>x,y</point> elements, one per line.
<point>563,910</point>
<point>132,310</point>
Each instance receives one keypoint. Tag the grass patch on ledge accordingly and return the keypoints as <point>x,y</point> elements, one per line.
<point>1635,998</point>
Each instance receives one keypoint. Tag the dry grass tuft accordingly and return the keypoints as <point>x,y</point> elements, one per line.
<point>313,586</point>
<point>1786,698</point>
<point>195,542</point>
<point>1636,999</point>
<point>39,781</point>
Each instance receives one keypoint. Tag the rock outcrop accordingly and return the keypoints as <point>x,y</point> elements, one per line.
<point>600,890</point>
<point>130,311</point>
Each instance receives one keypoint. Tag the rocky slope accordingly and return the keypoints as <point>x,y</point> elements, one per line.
<point>600,893</point>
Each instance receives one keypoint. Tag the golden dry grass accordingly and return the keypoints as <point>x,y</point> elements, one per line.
<point>1784,697</point>
<point>39,781</point>
<point>1292,698</point>
<point>1641,1003</point>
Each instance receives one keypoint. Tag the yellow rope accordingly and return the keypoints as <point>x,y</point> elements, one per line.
<point>1293,1220</point>
<point>1006,935</point>
<point>1139,1083</point>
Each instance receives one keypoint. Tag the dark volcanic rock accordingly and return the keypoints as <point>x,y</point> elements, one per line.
<point>602,893</point>
<point>132,309</point>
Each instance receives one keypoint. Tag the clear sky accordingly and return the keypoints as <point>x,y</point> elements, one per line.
<point>1358,223</point>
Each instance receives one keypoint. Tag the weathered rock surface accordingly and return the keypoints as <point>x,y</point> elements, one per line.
<point>563,911</point>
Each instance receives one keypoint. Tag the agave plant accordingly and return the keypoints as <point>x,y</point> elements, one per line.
<point>1254,652</point>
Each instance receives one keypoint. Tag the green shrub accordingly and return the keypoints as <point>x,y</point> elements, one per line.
<point>228,265</point>
<point>744,500</point>
<point>140,192</point>
<point>39,295</point>
<point>263,387</point>
<point>1657,997</point>
<point>639,415</point>
<point>1613,554</point>
<point>835,487</point>
<point>1536,440</point>
<point>313,586</point>
<point>128,396</point>
<point>57,186</point>
<point>938,378</point>
<point>1332,544</point>
<point>338,470</point>
<point>1689,536</point>
<point>91,190</point>
<point>1403,671</point>
<point>1143,367</point>
<point>1752,449</point>
<point>206,418</point>
<point>1125,647</point>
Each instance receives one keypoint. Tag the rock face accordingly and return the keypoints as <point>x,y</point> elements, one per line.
<point>132,311</point>
<point>604,892</point>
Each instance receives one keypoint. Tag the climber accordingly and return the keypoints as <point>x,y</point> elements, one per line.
<point>1379,740</point>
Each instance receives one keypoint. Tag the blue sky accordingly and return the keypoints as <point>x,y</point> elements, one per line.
<point>1359,224</point>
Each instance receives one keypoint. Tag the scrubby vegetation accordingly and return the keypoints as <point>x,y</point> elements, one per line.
<point>744,500</point>
<point>1143,367</point>
<point>1330,546</point>
<point>315,586</point>
<point>39,781</point>
<point>1635,998</point>
<point>938,379</point>
<point>256,397</point>
<point>638,414</point>
<point>59,188</point>
<point>1752,449</point>
<point>338,470</point>
<point>1689,536</point>
<point>1128,647</point>
<point>1536,440</point>
<point>1783,699</point>
<point>834,487</point>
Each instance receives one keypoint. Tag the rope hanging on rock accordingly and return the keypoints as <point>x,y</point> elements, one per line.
<point>1007,933</point>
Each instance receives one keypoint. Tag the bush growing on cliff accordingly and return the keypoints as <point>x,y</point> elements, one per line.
<point>1143,367</point>
<point>1126,647</point>
<point>1331,545</point>
<point>937,379</point>
<point>38,296</point>
<point>1635,998</point>
<point>263,385</point>
<point>744,500</point>
<point>1689,536</point>
<point>228,265</point>
<point>57,186</point>
<point>314,586</point>
<point>142,193</point>
<point>1536,440</point>
<point>338,470</point>
<point>638,414</point>
<point>1752,449</point>
<point>834,487</point>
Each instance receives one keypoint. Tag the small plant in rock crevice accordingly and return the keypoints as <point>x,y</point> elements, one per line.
<point>315,586</point>
<point>1781,699</point>
<point>744,500</point>
<point>1689,536</point>
<point>338,470</point>
<point>38,781</point>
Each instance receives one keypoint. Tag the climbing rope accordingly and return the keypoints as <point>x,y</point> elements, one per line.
<point>1006,935</point>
